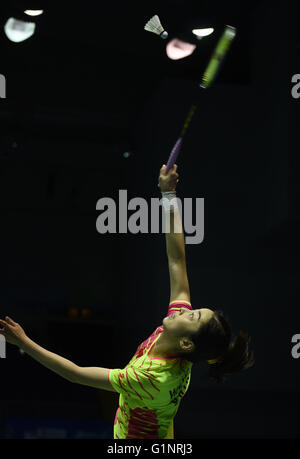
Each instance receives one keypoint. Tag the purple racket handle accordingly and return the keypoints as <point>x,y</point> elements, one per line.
<point>174,154</point>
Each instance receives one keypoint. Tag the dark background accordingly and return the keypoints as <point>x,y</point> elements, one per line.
<point>90,85</point>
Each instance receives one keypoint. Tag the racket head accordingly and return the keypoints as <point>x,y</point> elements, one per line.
<point>218,56</point>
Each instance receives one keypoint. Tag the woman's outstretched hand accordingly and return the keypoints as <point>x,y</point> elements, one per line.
<point>12,331</point>
<point>168,182</point>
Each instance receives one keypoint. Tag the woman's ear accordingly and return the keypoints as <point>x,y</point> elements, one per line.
<point>186,344</point>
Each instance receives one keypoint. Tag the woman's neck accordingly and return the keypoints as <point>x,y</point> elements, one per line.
<point>163,347</point>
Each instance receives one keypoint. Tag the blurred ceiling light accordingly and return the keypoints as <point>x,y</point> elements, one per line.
<point>33,12</point>
<point>178,49</point>
<point>17,30</point>
<point>200,33</point>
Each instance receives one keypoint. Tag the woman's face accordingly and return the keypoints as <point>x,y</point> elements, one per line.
<point>187,322</point>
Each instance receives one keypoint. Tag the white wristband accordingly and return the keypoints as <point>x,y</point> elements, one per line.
<point>169,200</point>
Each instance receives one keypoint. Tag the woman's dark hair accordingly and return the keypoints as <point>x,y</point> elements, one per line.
<point>215,340</point>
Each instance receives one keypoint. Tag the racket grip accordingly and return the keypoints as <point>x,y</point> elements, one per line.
<point>174,154</point>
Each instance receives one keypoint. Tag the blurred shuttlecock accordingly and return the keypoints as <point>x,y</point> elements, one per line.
<point>154,25</point>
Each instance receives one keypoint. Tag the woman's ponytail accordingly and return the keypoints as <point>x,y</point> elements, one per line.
<point>236,358</point>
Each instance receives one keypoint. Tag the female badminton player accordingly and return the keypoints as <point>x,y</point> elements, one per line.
<point>153,383</point>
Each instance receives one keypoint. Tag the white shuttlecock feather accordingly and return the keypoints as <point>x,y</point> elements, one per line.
<point>154,25</point>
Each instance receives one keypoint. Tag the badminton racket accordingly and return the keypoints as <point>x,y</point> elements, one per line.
<point>208,78</point>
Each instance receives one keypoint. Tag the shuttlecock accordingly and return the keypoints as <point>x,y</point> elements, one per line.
<point>154,25</point>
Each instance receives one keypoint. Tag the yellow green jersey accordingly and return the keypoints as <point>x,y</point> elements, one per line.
<point>150,389</point>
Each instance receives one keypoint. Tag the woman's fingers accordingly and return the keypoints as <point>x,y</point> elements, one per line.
<point>173,169</point>
<point>9,320</point>
<point>3,325</point>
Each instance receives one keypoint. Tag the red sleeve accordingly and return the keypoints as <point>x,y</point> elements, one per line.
<point>175,305</point>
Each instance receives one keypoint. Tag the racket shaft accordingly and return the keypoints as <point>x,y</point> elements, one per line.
<point>188,120</point>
